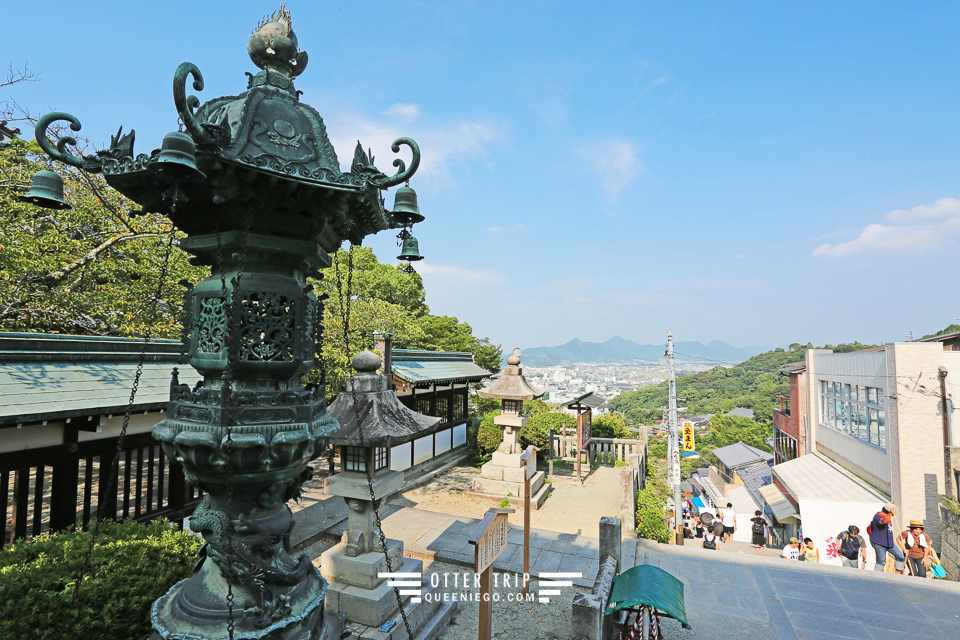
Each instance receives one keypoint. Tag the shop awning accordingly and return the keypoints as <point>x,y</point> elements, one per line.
<point>782,509</point>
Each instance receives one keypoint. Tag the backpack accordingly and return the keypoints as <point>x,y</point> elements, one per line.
<point>849,547</point>
<point>710,544</point>
<point>757,528</point>
<point>870,526</point>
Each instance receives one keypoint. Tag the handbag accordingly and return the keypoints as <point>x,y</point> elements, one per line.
<point>938,571</point>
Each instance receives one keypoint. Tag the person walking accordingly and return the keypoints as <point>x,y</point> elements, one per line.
<point>791,551</point>
<point>758,529</point>
<point>718,528</point>
<point>919,549</point>
<point>809,552</point>
<point>852,547</point>
<point>882,541</point>
<point>729,522</point>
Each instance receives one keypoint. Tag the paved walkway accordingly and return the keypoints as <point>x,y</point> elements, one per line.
<point>743,596</point>
<point>731,593</point>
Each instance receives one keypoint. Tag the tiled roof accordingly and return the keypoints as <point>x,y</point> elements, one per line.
<point>419,367</point>
<point>53,377</point>
<point>591,400</point>
<point>741,411</point>
<point>739,454</point>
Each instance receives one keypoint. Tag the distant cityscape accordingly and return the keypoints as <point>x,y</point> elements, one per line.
<point>608,380</point>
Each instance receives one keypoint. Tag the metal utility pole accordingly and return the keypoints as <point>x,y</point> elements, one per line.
<point>674,442</point>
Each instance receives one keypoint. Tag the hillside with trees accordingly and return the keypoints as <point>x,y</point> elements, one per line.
<point>754,384</point>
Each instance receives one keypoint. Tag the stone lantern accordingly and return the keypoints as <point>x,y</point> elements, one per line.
<point>372,420</point>
<point>505,473</point>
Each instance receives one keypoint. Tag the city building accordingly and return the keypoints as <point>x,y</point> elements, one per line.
<point>787,437</point>
<point>872,424</point>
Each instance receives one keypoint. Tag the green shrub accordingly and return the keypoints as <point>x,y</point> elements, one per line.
<point>652,505</point>
<point>619,463</point>
<point>537,429</point>
<point>610,425</point>
<point>505,503</point>
<point>489,435</point>
<point>131,566</point>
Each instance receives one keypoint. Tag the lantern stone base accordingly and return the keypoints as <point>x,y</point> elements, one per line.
<point>504,475</point>
<point>356,589</point>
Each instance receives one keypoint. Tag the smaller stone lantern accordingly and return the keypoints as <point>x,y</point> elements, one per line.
<point>354,565</point>
<point>504,475</point>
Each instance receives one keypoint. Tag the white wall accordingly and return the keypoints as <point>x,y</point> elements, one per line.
<point>822,520</point>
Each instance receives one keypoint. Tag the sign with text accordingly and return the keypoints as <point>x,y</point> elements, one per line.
<point>584,428</point>
<point>489,538</point>
<point>688,440</point>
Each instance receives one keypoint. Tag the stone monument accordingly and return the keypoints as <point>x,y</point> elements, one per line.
<point>504,475</point>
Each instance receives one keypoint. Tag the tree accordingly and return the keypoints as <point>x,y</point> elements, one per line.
<point>98,268</point>
<point>364,296</point>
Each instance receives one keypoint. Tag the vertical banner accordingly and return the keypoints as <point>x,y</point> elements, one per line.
<point>688,441</point>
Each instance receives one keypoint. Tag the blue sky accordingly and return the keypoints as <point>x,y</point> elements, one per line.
<point>754,172</point>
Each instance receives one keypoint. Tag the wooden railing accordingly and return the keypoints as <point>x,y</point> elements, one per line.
<point>52,488</point>
<point>600,450</point>
<point>610,450</point>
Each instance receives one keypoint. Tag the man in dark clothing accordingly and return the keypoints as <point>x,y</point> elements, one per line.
<point>852,547</point>
<point>881,539</point>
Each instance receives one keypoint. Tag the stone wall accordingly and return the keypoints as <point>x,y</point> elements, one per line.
<point>950,544</point>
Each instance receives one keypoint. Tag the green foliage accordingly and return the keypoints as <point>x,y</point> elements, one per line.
<point>652,505</point>
<point>131,566</point>
<point>953,328</point>
<point>93,269</point>
<point>535,407</point>
<point>366,296</point>
<point>489,435</point>
<point>611,425</point>
<point>537,429</point>
<point>505,503</point>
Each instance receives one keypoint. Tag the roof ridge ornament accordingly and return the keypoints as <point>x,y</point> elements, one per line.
<point>273,45</point>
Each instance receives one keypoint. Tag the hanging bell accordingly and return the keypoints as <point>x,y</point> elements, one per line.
<point>178,158</point>
<point>410,251</point>
<point>46,190</point>
<point>405,208</point>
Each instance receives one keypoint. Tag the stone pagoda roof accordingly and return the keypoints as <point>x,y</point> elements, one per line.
<point>365,403</point>
<point>512,385</point>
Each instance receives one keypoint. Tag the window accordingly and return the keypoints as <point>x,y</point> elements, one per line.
<point>856,410</point>
<point>511,406</point>
<point>380,458</point>
<point>354,459</point>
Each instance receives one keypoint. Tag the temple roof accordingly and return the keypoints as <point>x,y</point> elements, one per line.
<point>512,385</point>
<point>419,367</point>
<point>56,376</point>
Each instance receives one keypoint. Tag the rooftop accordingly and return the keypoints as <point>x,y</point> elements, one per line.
<point>55,377</point>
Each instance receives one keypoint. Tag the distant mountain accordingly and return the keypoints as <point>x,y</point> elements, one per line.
<point>619,349</point>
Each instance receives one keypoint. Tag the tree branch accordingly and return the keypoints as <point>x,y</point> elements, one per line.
<point>58,276</point>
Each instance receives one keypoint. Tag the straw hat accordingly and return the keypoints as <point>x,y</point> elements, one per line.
<point>916,524</point>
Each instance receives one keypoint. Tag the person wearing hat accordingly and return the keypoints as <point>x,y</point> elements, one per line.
<point>918,546</point>
<point>791,551</point>
<point>881,539</point>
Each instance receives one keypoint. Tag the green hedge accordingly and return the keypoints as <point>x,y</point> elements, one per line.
<point>131,566</point>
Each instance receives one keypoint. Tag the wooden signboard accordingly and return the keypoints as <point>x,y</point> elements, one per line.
<point>489,540</point>
<point>585,428</point>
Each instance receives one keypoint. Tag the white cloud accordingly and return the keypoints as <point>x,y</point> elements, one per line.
<point>408,112</point>
<point>616,162</point>
<point>496,229</point>
<point>919,229</point>
<point>443,146</point>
